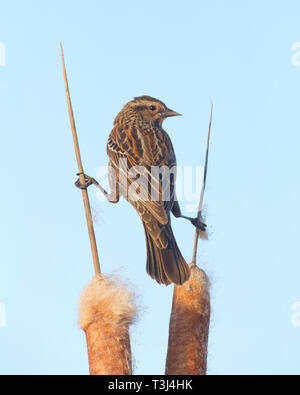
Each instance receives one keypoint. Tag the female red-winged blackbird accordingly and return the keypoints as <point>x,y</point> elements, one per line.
<point>137,145</point>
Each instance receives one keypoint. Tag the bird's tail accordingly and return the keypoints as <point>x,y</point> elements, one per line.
<point>166,265</point>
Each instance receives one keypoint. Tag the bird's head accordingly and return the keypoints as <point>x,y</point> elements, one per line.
<point>146,109</point>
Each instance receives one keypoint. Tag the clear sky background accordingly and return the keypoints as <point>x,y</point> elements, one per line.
<point>184,53</point>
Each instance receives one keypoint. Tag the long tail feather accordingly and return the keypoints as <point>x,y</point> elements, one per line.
<point>166,265</point>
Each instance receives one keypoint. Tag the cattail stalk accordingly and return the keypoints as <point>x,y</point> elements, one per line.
<point>85,195</point>
<point>190,316</point>
<point>199,233</point>
<point>106,307</point>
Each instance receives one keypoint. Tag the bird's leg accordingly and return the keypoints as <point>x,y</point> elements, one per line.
<point>197,222</point>
<point>111,197</point>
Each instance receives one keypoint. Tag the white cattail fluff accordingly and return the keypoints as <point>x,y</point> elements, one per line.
<point>106,311</point>
<point>107,298</point>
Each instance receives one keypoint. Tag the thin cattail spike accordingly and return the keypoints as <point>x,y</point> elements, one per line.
<point>85,196</point>
<point>197,232</point>
<point>190,316</point>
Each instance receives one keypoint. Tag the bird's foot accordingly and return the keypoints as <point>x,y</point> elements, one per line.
<point>199,224</point>
<point>87,181</point>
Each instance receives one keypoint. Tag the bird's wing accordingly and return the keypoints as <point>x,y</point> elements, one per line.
<point>147,200</point>
<point>170,181</point>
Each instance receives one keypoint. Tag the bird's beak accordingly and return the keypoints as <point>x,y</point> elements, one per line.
<point>170,113</point>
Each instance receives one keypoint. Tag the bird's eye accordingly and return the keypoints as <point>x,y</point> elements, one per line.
<point>152,108</point>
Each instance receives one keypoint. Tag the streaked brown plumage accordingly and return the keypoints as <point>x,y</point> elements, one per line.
<point>139,137</point>
<point>139,140</point>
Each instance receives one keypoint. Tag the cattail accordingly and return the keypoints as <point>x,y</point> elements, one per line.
<point>190,316</point>
<point>106,307</point>
<point>106,311</point>
<point>189,326</point>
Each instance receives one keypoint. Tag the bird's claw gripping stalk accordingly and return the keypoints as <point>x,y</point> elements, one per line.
<point>87,181</point>
<point>199,224</point>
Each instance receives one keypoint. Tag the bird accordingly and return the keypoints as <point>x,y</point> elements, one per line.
<point>136,145</point>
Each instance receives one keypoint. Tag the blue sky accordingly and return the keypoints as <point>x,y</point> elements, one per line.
<point>184,53</point>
